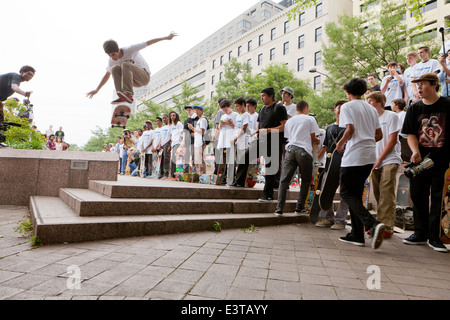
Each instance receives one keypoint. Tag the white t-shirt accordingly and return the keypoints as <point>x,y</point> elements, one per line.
<point>166,134</point>
<point>291,110</point>
<point>323,160</point>
<point>431,65</point>
<point>390,123</point>
<point>226,134</point>
<point>360,149</point>
<point>407,78</point>
<point>202,123</point>
<point>393,91</point>
<point>146,141</point>
<point>252,125</point>
<point>177,133</point>
<point>131,53</point>
<point>156,137</point>
<point>298,130</point>
<point>401,115</point>
<point>241,121</point>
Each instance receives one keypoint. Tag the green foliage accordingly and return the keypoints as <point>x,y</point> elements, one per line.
<point>217,227</point>
<point>24,137</point>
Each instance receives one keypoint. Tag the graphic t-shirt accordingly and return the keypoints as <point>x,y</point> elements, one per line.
<point>429,123</point>
<point>394,89</point>
<point>6,80</point>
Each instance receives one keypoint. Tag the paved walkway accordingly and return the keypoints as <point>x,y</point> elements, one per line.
<point>289,262</point>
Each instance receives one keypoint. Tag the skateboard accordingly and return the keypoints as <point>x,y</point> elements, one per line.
<point>156,164</point>
<point>366,193</point>
<point>206,178</point>
<point>445,217</point>
<point>252,176</point>
<point>120,116</point>
<point>220,178</point>
<point>315,208</point>
<point>179,156</point>
<point>403,214</point>
<point>315,179</point>
<point>141,165</point>
<point>330,180</point>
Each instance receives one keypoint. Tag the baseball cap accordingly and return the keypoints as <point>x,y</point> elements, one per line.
<point>288,90</point>
<point>159,118</point>
<point>432,77</point>
<point>198,107</point>
<point>269,91</point>
<point>188,107</point>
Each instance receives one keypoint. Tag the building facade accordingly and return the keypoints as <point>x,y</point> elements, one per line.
<point>262,35</point>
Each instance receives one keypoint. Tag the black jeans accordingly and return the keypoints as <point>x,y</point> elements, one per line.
<point>148,164</point>
<point>352,188</point>
<point>295,157</point>
<point>425,186</point>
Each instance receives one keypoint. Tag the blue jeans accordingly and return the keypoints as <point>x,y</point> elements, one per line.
<point>124,161</point>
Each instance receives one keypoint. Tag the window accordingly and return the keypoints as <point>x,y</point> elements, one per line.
<point>213,80</point>
<point>317,83</point>
<point>260,59</point>
<point>286,48</point>
<point>301,41</point>
<point>230,55</point>
<point>319,8</point>
<point>239,51</point>
<point>273,33</point>
<point>286,27</point>
<point>318,36</point>
<point>221,76</point>
<point>214,64</point>
<point>272,54</point>
<point>244,24</point>
<point>249,62</point>
<point>301,64</point>
<point>318,58</point>
<point>302,19</point>
<point>249,45</point>
<point>221,60</point>
<point>261,40</point>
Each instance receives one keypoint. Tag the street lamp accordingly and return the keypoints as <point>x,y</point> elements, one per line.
<point>314,70</point>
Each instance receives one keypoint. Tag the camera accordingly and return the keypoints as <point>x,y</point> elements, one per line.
<point>414,170</point>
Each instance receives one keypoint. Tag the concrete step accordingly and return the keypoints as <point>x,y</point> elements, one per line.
<point>163,189</point>
<point>90,203</point>
<point>56,222</point>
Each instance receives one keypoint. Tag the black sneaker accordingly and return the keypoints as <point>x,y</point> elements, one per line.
<point>414,239</point>
<point>349,239</point>
<point>278,213</point>
<point>301,212</point>
<point>437,245</point>
<point>265,199</point>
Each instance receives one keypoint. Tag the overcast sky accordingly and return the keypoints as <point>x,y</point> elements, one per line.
<point>63,41</point>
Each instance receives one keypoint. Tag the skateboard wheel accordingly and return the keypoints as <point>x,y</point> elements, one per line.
<point>318,192</point>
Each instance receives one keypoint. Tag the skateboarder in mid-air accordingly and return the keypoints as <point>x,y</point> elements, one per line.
<point>128,68</point>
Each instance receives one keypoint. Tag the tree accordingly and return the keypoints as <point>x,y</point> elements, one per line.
<point>24,137</point>
<point>187,97</point>
<point>414,6</point>
<point>236,74</point>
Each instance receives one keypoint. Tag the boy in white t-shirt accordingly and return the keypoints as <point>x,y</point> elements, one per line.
<point>128,68</point>
<point>199,145</point>
<point>241,138</point>
<point>411,59</point>
<point>392,84</point>
<point>226,135</point>
<point>384,173</point>
<point>427,65</point>
<point>287,94</point>
<point>301,132</point>
<point>362,131</point>
<point>146,148</point>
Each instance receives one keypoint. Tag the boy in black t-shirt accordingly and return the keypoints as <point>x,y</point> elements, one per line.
<point>427,126</point>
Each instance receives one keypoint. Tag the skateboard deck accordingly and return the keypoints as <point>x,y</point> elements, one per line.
<point>142,169</point>
<point>315,208</point>
<point>330,181</point>
<point>315,179</point>
<point>445,217</point>
<point>366,193</point>
<point>156,164</point>
<point>220,177</point>
<point>252,176</point>
<point>120,116</point>
<point>403,191</point>
<point>206,178</point>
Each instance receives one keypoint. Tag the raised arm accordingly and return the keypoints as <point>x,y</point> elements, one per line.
<point>169,37</point>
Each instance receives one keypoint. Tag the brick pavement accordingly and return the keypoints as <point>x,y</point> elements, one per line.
<point>293,262</point>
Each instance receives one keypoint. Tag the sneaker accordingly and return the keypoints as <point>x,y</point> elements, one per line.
<point>265,199</point>
<point>349,239</point>
<point>377,235</point>
<point>125,97</point>
<point>278,213</point>
<point>415,240</point>
<point>118,101</point>
<point>323,223</point>
<point>437,245</point>
<point>301,212</point>
<point>338,226</point>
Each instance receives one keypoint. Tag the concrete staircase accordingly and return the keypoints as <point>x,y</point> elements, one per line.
<point>132,207</point>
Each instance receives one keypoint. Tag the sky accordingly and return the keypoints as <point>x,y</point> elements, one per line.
<point>63,41</point>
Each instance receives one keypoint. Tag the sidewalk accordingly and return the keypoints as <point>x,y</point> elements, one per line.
<point>290,262</point>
